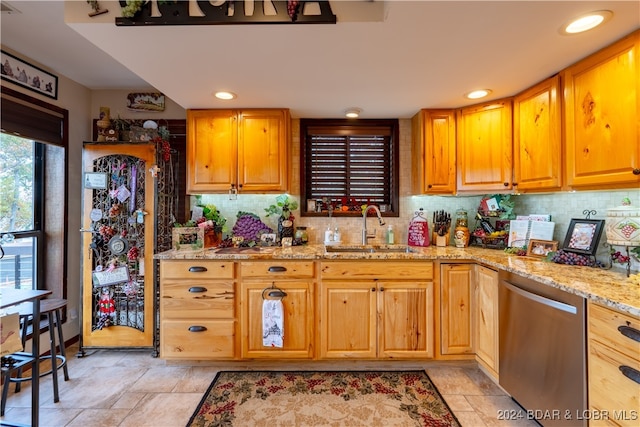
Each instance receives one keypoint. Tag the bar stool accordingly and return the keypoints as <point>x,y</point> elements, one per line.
<point>52,308</point>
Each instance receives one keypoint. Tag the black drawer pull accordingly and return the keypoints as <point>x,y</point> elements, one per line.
<point>197,269</point>
<point>197,328</point>
<point>629,372</point>
<point>197,289</point>
<point>630,332</point>
<point>277,269</point>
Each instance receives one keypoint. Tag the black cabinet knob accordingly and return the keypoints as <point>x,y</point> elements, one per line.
<point>636,171</point>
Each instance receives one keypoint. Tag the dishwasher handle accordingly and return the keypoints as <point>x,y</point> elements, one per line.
<point>540,299</point>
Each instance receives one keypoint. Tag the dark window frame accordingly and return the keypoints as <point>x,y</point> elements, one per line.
<point>34,119</point>
<point>350,127</point>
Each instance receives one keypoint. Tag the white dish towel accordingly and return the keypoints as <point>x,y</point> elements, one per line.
<point>272,323</point>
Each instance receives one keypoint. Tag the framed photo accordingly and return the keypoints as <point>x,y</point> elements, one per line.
<point>583,236</point>
<point>147,101</point>
<point>17,71</point>
<point>541,248</point>
<point>187,239</point>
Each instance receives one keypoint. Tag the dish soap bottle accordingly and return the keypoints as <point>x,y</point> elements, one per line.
<point>390,236</point>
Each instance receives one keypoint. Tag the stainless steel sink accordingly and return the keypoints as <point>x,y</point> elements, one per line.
<point>369,249</point>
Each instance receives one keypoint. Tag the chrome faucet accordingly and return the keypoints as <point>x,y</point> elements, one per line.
<point>365,235</point>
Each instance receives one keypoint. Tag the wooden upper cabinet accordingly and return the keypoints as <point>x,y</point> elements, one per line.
<point>602,131</point>
<point>434,152</point>
<point>263,139</point>
<point>245,149</point>
<point>484,147</point>
<point>537,137</point>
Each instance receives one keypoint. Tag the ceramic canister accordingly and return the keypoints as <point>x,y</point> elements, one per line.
<point>622,225</point>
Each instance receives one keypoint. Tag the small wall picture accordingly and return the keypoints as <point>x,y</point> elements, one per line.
<point>583,236</point>
<point>17,71</point>
<point>541,248</point>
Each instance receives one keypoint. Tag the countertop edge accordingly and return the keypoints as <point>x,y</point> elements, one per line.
<point>610,288</point>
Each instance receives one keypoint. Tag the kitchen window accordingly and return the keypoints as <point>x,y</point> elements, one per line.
<point>33,201</point>
<point>349,163</point>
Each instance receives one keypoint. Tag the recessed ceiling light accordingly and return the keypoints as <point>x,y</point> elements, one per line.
<point>353,113</point>
<point>225,95</point>
<point>477,94</point>
<point>586,22</point>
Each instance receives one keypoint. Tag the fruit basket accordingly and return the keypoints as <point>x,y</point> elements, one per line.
<point>490,242</point>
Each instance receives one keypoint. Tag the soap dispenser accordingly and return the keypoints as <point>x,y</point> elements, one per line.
<point>390,236</point>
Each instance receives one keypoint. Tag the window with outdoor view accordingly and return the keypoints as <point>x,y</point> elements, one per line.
<point>21,172</point>
<point>348,163</point>
<point>33,200</point>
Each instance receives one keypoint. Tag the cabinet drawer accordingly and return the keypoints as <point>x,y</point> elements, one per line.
<point>610,327</point>
<point>197,299</point>
<point>196,269</point>
<point>276,269</point>
<point>609,389</point>
<point>194,339</point>
<point>396,270</point>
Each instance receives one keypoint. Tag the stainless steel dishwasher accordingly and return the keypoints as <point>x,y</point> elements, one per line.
<point>543,350</point>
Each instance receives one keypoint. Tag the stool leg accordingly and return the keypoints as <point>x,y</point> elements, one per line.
<point>5,389</point>
<point>63,352</point>
<point>54,360</point>
<point>23,338</point>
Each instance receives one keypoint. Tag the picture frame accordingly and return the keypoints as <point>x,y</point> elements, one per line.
<point>187,239</point>
<point>541,248</point>
<point>20,72</point>
<point>146,101</point>
<point>583,236</point>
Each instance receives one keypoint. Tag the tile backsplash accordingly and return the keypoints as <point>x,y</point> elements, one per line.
<point>562,207</point>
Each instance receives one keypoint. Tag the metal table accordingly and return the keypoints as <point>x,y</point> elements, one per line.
<point>11,297</point>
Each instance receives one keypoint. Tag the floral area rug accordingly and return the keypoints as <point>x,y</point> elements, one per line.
<point>300,399</point>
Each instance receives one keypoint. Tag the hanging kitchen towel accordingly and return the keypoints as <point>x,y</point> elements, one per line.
<point>272,323</point>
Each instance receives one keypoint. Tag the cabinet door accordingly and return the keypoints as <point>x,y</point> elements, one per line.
<point>434,152</point>
<point>298,322</point>
<point>211,150</point>
<point>602,104</point>
<point>487,318</point>
<point>456,308</point>
<point>484,145</point>
<point>537,150</point>
<point>348,319</point>
<point>263,150</point>
<point>128,305</point>
<point>405,325</point>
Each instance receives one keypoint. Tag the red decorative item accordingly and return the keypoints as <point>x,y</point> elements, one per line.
<point>418,231</point>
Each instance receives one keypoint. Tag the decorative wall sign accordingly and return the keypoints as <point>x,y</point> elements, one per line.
<point>110,277</point>
<point>95,180</point>
<point>230,13</point>
<point>17,71</point>
<point>152,101</point>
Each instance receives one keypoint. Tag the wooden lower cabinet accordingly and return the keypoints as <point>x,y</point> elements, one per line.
<point>456,309</point>
<point>614,367</point>
<point>486,319</point>
<point>383,310</point>
<point>298,320</point>
<point>197,309</point>
<point>297,280</point>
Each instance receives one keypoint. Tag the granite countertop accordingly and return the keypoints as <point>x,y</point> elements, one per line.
<point>608,287</point>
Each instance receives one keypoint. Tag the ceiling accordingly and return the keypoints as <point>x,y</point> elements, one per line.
<point>388,58</point>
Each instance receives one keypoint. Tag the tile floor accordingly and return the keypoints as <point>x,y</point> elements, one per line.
<point>131,388</point>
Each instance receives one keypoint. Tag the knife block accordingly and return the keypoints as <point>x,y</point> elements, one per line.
<point>441,240</point>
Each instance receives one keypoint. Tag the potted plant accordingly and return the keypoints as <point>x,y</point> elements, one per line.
<point>283,208</point>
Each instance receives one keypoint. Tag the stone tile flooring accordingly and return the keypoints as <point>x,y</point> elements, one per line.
<point>132,388</point>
